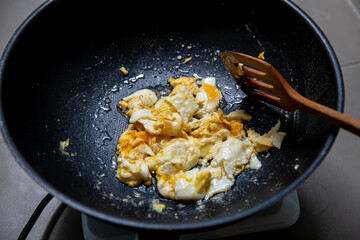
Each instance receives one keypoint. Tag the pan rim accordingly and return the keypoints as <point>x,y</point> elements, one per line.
<point>200,225</point>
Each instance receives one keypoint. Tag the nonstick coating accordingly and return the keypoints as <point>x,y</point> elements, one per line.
<point>60,80</point>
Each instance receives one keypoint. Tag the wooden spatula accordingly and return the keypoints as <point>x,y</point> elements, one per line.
<point>259,78</point>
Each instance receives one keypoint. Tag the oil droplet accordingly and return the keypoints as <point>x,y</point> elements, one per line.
<point>107,137</point>
<point>105,108</point>
<point>114,88</point>
<point>107,100</point>
<point>114,161</point>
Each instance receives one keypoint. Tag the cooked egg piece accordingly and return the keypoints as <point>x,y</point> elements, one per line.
<point>158,122</point>
<point>132,149</point>
<point>238,115</point>
<point>132,142</point>
<point>177,155</point>
<point>261,55</point>
<point>185,104</point>
<point>271,139</point>
<point>157,206</point>
<point>218,185</point>
<point>124,71</point>
<point>63,145</point>
<point>230,161</point>
<point>209,146</point>
<point>139,99</point>
<point>208,97</point>
<point>187,60</point>
<point>189,185</point>
<point>276,136</point>
<point>232,155</point>
<point>188,82</point>
<point>211,124</point>
<point>133,171</point>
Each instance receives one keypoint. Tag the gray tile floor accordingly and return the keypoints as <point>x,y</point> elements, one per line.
<point>329,199</point>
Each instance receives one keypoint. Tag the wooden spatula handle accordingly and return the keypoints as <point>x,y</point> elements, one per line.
<point>337,118</point>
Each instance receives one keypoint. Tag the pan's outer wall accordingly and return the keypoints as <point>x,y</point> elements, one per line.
<point>60,79</point>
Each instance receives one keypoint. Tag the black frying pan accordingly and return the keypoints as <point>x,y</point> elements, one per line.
<point>60,79</point>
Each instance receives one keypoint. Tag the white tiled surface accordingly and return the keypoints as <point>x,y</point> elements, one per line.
<point>340,23</point>
<point>329,199</point>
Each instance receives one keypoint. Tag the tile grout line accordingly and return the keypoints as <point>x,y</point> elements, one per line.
<point>354,8</point>
<point>350,64</point>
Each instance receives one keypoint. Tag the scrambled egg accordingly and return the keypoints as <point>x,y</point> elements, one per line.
<point>192,148</point>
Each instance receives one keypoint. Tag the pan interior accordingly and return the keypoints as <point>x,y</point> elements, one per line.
<point>61,80</point>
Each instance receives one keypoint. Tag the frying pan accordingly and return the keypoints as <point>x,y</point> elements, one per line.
<point>60,80</point>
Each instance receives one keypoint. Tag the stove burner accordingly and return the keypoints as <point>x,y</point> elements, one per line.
<point>280,215</point>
